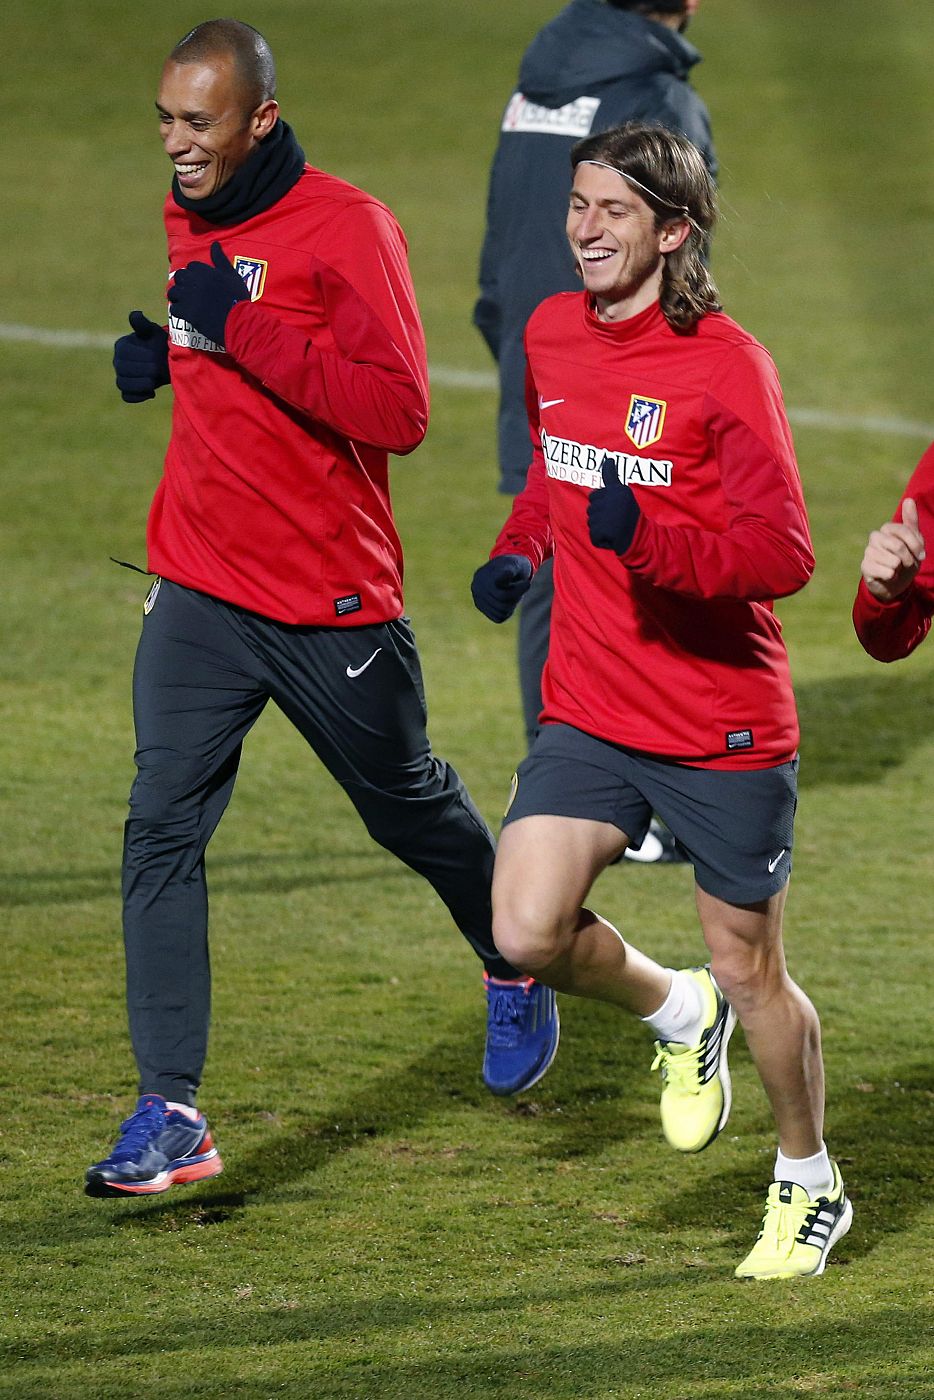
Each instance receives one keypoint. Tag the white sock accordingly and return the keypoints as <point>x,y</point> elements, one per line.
<point>815,1173</point>
<point>185,1108</point>
<point>681,1015</point>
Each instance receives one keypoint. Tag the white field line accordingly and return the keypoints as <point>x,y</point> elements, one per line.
<point>449,377</point>
<point>65,340</point>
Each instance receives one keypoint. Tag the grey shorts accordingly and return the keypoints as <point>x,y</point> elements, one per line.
<point>736,827</point>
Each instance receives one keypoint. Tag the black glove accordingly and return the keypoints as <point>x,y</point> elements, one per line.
<point>203,295</point>
<point>612,511</point>
<point>142,359</point>
<point>499,584</point>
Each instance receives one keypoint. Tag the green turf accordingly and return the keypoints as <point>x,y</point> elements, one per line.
<point>384,1229</point>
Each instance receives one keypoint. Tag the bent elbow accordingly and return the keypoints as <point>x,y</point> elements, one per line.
<point>793,569</point>
<point>409,428</point>
<point>799,574</point>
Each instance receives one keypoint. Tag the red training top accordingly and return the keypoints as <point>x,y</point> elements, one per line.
<point>674,648</point>
<point>275,494</point>
<point>889,631</point>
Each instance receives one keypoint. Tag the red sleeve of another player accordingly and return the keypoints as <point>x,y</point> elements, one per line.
<point>890,631</point>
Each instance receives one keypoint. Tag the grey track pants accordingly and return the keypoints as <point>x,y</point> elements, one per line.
<point>204,672</point>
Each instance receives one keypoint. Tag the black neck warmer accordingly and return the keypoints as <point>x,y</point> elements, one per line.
<point>268,174</point>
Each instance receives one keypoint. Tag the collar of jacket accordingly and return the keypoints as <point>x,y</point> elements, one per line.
<point>260,182</point>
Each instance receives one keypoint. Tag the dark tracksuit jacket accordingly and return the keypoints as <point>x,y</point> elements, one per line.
<point>592,68</point>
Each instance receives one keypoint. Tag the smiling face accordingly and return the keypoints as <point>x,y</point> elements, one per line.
<point>206,127</point>
<point>615,241</point>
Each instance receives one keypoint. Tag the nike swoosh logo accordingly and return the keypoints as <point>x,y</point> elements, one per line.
<point>549,403</point>
<point>354,671</point>
<point>773,863</point>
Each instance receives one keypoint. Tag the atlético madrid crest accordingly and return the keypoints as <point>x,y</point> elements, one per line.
<point>645,420</point>
<point>253,272</point>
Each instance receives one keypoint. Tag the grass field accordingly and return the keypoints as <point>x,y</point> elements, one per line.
<point>384,1229</point>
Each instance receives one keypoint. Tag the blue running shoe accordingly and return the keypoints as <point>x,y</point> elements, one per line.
<point>158,1147</point>
<point>522,1029</point>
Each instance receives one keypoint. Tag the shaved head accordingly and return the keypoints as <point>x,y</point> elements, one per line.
<point>252,58</point>
<point>216,103</point>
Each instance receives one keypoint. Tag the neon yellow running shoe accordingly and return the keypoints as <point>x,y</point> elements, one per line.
<point>798,1232</point>
<point>696,1094</point>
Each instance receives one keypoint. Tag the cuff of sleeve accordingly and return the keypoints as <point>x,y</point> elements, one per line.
<point>639,553</point>
<point>244,320</point>
<point>870,605</point>
<point>534,556</point>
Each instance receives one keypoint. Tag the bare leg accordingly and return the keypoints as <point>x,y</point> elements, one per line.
<point>781,1025</point>
<point>545,867</point>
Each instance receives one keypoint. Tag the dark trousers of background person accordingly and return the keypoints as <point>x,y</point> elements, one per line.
<point>534,631</point>
<point>204,672</point>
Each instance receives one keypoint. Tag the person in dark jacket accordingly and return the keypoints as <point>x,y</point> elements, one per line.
<point>597,64</point>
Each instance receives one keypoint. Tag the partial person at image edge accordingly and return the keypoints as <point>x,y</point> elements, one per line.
<point>894,602</point>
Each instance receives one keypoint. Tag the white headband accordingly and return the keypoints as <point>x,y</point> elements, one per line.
<point>680,208</point>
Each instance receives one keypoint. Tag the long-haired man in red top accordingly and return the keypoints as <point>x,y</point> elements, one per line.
<point>664,484</point>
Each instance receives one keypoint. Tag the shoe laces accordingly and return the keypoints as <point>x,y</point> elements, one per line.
<point>509,1007</point>
<point>137,1131</point>
<point>681,1070</point>
<point>783,1222</point>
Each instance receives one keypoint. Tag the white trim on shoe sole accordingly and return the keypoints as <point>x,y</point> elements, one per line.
<point>723,1070</point>
<point>839,1230</point>
<point>544,1068</point>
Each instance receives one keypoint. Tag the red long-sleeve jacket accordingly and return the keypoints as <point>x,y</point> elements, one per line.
<point>275,494</point>
<point>890,631</point>
<point>673,649</point>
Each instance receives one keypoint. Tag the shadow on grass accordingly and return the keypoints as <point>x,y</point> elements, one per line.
<point>857,728</point>
<point>229,874</point>
<point>567,1120</point>
<point>889,1129</point>
<point>881,1139</point>
<point>673,1366</point>
<point>889,1336</point>
<point>607,1096</point>
<point>391,1104</point>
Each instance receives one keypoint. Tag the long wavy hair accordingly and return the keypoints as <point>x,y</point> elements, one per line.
<point>668,172</point>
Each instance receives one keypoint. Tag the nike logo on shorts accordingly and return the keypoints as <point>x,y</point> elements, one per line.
<point>548,403</point>
<point>354,671</point>
<point>773,863</point>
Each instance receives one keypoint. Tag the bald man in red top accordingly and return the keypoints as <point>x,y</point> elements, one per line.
<point>296,359</point>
